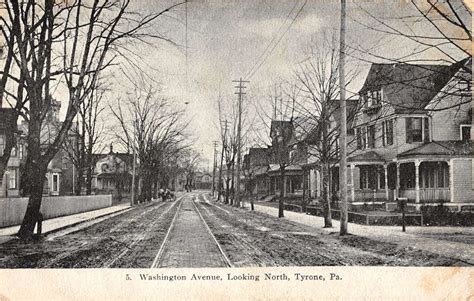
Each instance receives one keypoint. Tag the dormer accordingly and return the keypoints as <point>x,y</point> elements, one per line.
<point>371,100</point>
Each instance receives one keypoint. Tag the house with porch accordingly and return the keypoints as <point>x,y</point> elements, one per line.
<point>413,135</point>
<point>283,150</point>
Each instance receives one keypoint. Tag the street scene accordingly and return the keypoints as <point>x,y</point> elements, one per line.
<point>196,232</point>
<point>231,134</point>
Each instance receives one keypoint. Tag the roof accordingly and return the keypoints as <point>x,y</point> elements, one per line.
<point>370,156</point>
<point>113,174</point>
<point>125,157</point>
<point>441,148</point>
<point>409,87</point>
<point>258,156</point>
<point>8,120</point>
<point>284,126</point>
<point>351,110</point>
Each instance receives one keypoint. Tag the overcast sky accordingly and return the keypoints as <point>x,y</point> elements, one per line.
<point>226,40</point>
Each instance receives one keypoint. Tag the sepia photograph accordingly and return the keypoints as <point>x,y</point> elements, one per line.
<point>246,135</point>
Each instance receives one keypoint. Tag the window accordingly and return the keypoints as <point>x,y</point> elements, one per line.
<point>55,186</point>
<point>359,138</point>
<point>372,98</point>
<point>381,174</point>
<point>368,177</point>
<point>364,137</point>
<point>371,136</point>
<point>465,132</point>
<point>464,85</point>
<point>20,151</point>
<point>417,129</point>
<point>434,175</point>
<point>13,152</point>
<point>2,144</point>
<point>387,132</point>
<point>12,179</point>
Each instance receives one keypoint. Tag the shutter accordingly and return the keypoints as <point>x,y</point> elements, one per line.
<point>408,130</point>
<point>383,132</point>
<point>427,130</point>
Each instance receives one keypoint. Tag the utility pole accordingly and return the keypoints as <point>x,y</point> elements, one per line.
<point>219,186</point>
<point>132,200</point>
<point>240,92</point>
<point>214,169</point>
<point>343,125</point>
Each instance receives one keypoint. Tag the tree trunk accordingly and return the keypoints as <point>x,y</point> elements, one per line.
<point>90,167</point>
<point>325,197</point>
<point>281,202</point>
<point>36,176</point>
<point>232,187</point>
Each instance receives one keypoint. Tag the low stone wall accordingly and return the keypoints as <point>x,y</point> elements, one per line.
<point>12,210</point>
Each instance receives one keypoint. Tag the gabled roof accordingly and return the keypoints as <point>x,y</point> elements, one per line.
<point>258,156</point>
<point>441,148</point>
<point>409,87</point>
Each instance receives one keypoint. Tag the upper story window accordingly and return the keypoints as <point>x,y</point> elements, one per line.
<point>3,143</point>
<point>371,136</point>
<point>365,137</point>
<point>20,151</point>
<point>372,98</point>
<point>387,132</point>
<point>417,129</point>
<point>13,152</point>
<point>464,86</point>
<point>465,132</point>
<point>12,179</point>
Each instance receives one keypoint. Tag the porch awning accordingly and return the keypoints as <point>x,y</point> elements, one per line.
<point>440,149</point>
<point>369,157</point>
<point>109,175</point>
<point>289,170</point>
<point>261,171</point>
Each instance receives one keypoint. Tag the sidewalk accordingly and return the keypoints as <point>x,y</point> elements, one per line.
<point>58,223</point>
<point>414,237</point>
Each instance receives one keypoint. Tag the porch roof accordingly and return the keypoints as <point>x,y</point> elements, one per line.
<point>289,170</point>
<point>113,174</point>
<point>370,156</point>
<point>440,149</point>
<point>261,171</point>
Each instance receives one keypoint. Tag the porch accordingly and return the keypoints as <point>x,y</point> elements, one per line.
<point>293,181</point>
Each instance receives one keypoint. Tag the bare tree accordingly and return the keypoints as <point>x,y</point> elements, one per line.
<point>85,139</point>
<point>317,106</point>
<point>68,44</point>
<point>149,125</point>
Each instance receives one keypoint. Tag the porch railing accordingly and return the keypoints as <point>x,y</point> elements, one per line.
<point>427,194</point>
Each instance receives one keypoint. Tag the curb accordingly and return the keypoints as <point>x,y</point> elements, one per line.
<point>45,234</point>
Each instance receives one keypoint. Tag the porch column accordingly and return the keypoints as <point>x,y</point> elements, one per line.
<point>284,185</point>
<point>451,176</point>
<point>352,183</point>
<point>397,185</point>
<point>417,180</point>
<point>385,169</point>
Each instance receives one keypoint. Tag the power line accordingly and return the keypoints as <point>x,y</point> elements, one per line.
<point>276,44</point>
<point>273,38</point>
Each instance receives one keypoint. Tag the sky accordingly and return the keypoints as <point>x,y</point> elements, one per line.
<point>226,39</point>
<point>265,39</point>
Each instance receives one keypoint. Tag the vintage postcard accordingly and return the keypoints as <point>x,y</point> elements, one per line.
<point>236,150</point>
